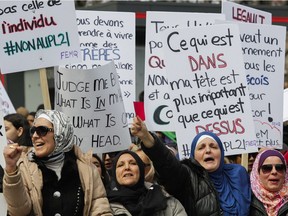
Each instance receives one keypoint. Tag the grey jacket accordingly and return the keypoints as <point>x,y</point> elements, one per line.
<point>174,207</point>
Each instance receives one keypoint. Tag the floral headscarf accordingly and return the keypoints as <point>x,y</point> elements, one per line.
<point>272,201</point>
<point>63,130</point>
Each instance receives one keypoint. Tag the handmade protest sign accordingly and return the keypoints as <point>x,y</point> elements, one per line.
<point>3,138</point>
<point>241,13</point>
<point>93,100</point>
<point>6,104</point>
<point>285,105</point>
<point>106,36</point>
<point>36,34</point>
<point>208,88</point>
<point>157,98</point>
<point>264,62</point>
<point>3,141</point>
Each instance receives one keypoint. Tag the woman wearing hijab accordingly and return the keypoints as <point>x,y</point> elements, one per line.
<point>269,183</point>
<point>231,181</point>
<point>55,177</point>
<point>132,196</point>
<point>203,184</point>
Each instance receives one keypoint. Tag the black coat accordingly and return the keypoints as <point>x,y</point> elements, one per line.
<point>257,208</point>
<point>187,181</point>
<point>65,196</point>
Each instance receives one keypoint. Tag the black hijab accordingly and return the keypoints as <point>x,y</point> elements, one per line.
<point>137,199</point>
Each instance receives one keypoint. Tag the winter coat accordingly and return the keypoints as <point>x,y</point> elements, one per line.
<point>174,207</point>
<point>187,181</point>
<point>257,208</point>
<point>23,190</point>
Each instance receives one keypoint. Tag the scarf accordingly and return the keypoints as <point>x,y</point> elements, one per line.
<point>63,129</point>
<point>63,136</point>
<point>272,201</point>
<point>231,181</point>
<point>137,199</point>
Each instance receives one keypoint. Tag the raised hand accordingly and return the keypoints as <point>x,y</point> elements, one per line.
<point>139,129</point>
<point>12,153</point>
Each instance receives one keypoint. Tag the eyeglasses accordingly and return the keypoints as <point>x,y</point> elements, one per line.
<point>267,168</point>
<point>40,130</point>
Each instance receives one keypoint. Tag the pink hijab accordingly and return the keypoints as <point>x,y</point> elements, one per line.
<point>272,201</point>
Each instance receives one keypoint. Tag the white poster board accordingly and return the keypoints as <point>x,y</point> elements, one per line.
<point>208,87</point>
<point>37,34</point>
<point>3,141</point>
<point>264,61</point>
<point>285,105</point>
<point>106,36</point>
<point>240,13</point>
<point>6,104</point>
<point>158,114</point>
<point>92,99</point>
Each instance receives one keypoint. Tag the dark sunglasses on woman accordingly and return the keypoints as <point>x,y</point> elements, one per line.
<point>40,130</point>
<point>267,168</point>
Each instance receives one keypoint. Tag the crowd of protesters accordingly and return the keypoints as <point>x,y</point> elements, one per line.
<point>46,174</point>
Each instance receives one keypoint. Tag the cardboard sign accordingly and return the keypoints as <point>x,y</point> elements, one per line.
<point>156,87</point>
<point>208,87</point>
<point>106,36</point>
<point>241,13</point>
<point>93,101</point>
<point>6,104</point>
<point>264,61</point>
<point>36,34</point>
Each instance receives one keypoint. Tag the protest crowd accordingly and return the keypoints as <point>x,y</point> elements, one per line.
<point>146,179</point>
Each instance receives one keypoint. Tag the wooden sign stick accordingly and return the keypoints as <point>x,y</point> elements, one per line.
<point>244,160</point>
<point>45,88</point>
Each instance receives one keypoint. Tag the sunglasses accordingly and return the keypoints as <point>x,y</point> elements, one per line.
<point>40,130</point>
<point>267,168</point>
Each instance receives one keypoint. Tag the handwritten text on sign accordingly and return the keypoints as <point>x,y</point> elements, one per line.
<point>93,100</point>
<point>38,33</point>
<point>109,36</point>
<point>241,13</point>
<point>264,62</point>
<point>208,86</point>
<point>157,98</point>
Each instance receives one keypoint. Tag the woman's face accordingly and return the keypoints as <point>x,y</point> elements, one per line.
<point>30,119</point>
<point>273,180</point>
<point>251,159</point>
<point>97,164</point>
<point>43,145</point>
<point>208,154</point>
<point>12,133</point>
<point>127,170</point>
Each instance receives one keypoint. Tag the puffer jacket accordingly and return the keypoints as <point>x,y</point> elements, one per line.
<point>187,181</point>
<point>174,207</point>
<point>23,190</point>
<point>257,208</point>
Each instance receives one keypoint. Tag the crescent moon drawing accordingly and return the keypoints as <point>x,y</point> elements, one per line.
<point>156,116</point>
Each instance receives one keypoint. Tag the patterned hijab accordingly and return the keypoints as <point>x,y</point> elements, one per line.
<point>63,131</point>
<point>272,201</point>
<point>231,181</point>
